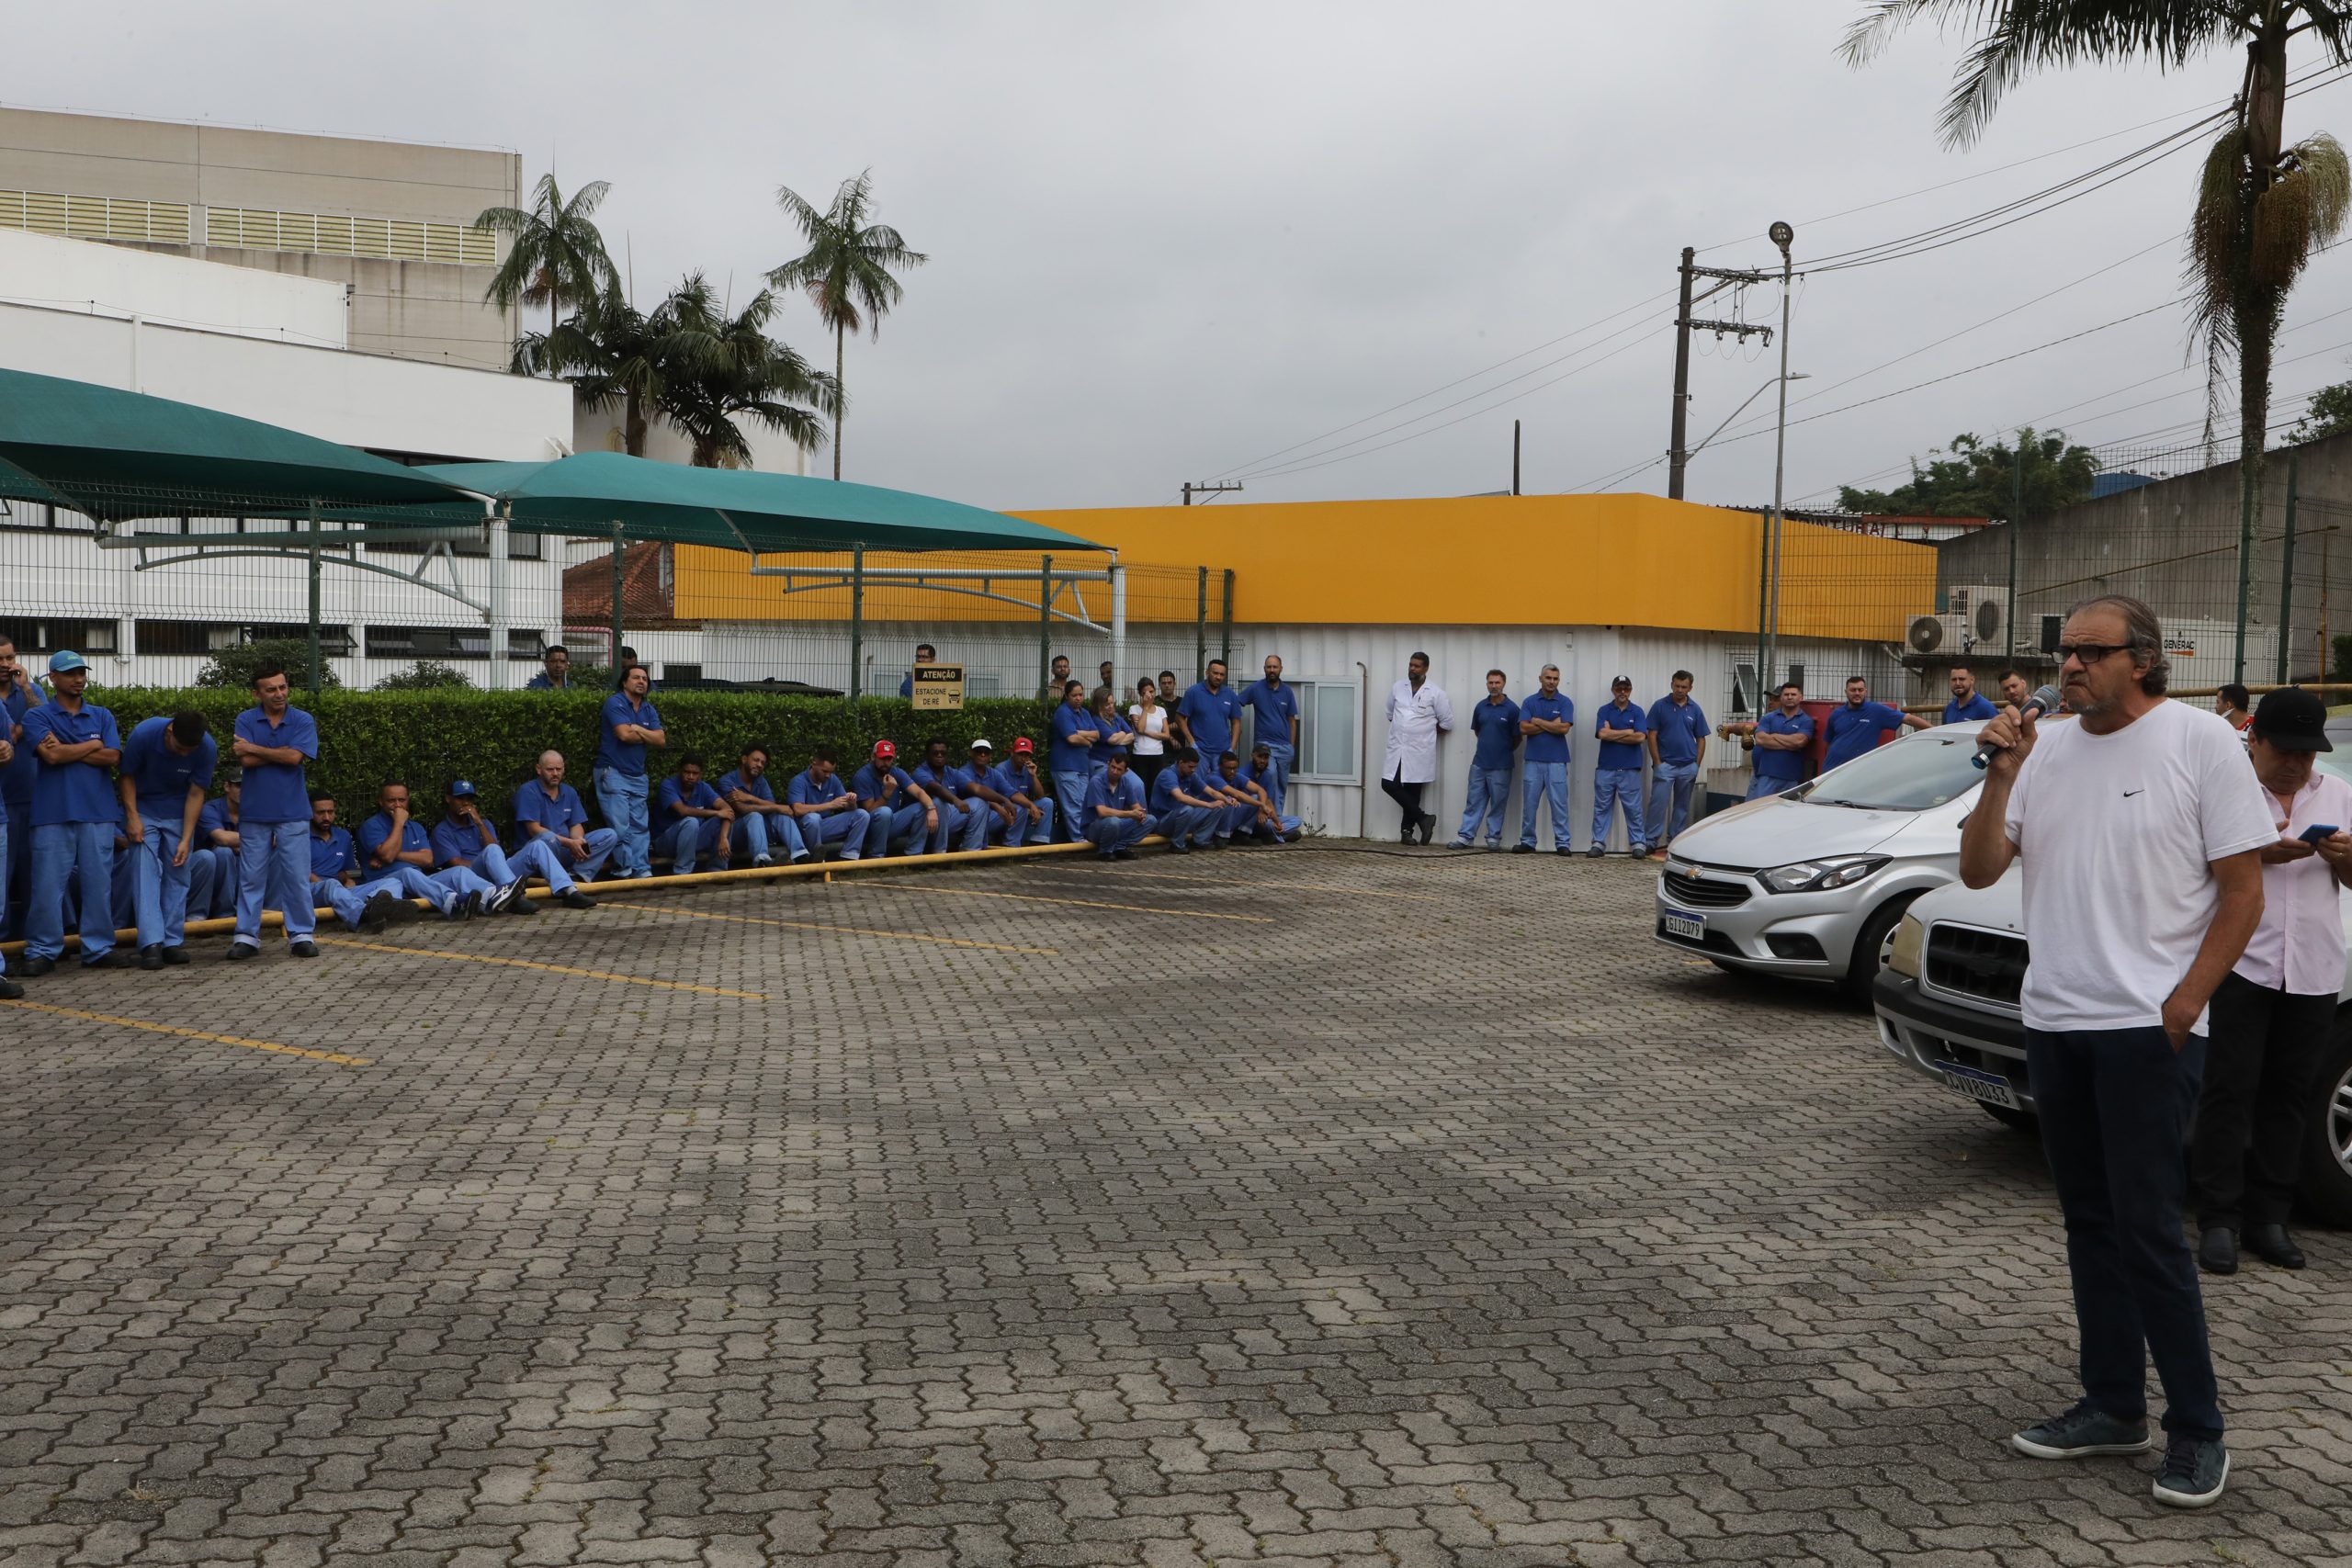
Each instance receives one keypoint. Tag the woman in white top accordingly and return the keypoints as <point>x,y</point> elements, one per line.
<point>1149,752</point>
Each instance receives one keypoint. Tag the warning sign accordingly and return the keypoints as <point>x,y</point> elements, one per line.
<point>938,687</point>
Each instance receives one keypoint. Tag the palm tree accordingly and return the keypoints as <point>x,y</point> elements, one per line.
<point>2262,208</point>
<point>557,257</point>
<point>734,369</point>
<point>846,270</point>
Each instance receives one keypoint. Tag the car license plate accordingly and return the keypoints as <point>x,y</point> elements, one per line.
<point>1990,1088</point>
<point>1694,927</point>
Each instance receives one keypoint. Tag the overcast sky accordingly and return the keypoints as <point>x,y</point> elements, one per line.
<point>1168,241</point>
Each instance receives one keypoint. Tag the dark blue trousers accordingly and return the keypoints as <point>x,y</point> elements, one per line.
<point>2116,1106</point>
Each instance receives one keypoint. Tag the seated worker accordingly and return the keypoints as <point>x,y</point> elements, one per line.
<point>464,836</point>
<point>1001,819</point>
<point>1115,815</point>
<point>1187,814</point>
<point>392,838</point>
<point>824,810</point>
<point>547,811</point>
<point>1015,782</point>
<point>212,889</point>
<point>964,818</point>
<point>335,886</point>
<point>900,811</point>
<point>767,827</point>
<point>166,768</point>
<point>691,824</point>
<point>1258,779</point>
<point>1239,813</point>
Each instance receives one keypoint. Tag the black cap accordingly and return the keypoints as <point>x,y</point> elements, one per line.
<point>2293,720</point>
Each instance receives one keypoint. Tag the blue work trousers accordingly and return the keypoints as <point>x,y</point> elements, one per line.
<point>1670,786</point>
<point>1032,824</point>
<point>850,829</point>
<point>1276,778</point>
<point>2115,1109</point>
<point>83,854</point>
<point>1614,786</point>
<point>273,867</point>
<point>1189,827</point>
<point>1069,795</point>
<point>1490,796</point>
<point>162,888</point>
<point>537,858</point>
<point>689,844</point>
<point>1109,833</point>
<point>1760,787</point>
<point>962,824</point>
<point>1545,783</point>
<point>621,798</point>
<point>765,832</point>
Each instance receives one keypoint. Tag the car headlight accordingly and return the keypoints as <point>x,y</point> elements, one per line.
<point>1903,954</point>
<point>1816,875</point>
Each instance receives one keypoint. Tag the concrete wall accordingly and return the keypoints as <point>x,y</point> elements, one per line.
<point>414,309</point>
<point>170,291</point>
<point>2175,544</point>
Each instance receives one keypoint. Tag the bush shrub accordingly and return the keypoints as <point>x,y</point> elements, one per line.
<point>425,675</point>
<point>234,667</point>
<point>2343,646</point>
<point>424,738</point>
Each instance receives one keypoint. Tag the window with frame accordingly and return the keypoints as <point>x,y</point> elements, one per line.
<point>428,642</point>
<point>1330,750</point>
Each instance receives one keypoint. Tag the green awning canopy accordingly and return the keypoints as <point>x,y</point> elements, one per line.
<point>593,493</point>
<point>116,456</point>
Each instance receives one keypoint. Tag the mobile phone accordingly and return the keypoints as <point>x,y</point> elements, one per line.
<point>2318,830</point>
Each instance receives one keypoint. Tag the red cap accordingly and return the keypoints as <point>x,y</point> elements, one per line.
<point>1022,748</point>
<point>885,752</point>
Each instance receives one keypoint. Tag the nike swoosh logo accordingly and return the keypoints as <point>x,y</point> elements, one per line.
<point>2130,793</point>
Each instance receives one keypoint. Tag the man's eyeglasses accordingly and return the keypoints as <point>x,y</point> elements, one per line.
<point>2089,653</point>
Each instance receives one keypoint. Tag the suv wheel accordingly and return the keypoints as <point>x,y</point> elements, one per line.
<point>1870,946</point>
<point>2327,1161</point>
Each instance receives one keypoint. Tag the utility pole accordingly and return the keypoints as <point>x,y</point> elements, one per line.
<point>1192,490</point>
<point>1514,456</point>
<point>1678,457</point>
<point>1782,236</point>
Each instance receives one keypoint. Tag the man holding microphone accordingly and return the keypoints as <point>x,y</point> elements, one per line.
<point>2272,1012</point>
<point>2140,828</point>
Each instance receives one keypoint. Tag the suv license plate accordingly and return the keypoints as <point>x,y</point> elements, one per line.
<point>1990,1088</point>
<point>1694,926</point>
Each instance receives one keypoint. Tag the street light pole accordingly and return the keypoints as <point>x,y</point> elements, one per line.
<point>1782,236</point>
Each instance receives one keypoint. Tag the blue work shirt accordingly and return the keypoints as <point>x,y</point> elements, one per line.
<point>1495,721</point>
<point>1558,708</point>
<point>1103,750</point>
<point>376,828</point>
<point>1778,764</point>
<point>73,792</point>
<point>888,786</point>
<point>671,796</point>
<point>1164,788</point>
<point>1272,708</point>
<point>1619,753</point>
<point>214,818</point>
<point>540,682</point>
<point>806,791</point>
<point>759,788</point>
<point>16,778</point>
<point>623,756</point>
<point>1975,708</point>
<point>1067,756</point>
<point>1007,782</point>
<point>1127,794</point>
<point>332,855</point>
<point>1247,775</point>
<point>940,784</point>
<point>453,842</point>
<point>556,813</point>
<point>159,776</point>
<point>1209,717</point>
<point>1679,727</point>
<point>1854,730</point>
<point>906,684</point>
<point>277,792</point>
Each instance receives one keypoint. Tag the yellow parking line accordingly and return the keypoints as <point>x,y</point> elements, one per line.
<point>820,925</point>
<point>543,968</point>
<point>1158,875</point>
<point>335,1057</point>
<point>928,891</point>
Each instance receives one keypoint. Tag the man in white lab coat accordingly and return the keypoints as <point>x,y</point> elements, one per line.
<point>1418,711</point>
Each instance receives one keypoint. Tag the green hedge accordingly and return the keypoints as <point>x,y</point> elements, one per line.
<point>494,738</point>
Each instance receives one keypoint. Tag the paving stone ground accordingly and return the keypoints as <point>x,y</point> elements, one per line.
<point>1279,1207</point>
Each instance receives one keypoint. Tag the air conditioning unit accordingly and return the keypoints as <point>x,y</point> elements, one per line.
<point>1935,634</point>
<point>1982,609</point>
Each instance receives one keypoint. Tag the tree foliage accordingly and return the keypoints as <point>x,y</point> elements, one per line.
<point>846,270</point>
<point>235,667</point>
<point>1979,478</point>
<point>2328,413</point>
<point>558,256</point>
<point>425,675</point>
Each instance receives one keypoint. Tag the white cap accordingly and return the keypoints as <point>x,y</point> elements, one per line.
<point>980,744</point>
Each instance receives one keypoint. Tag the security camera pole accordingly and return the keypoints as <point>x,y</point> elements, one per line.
<point>1782,236</point>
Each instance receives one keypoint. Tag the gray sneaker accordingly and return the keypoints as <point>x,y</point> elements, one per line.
<point>2081,1432</point>
<point>2194,1472</point>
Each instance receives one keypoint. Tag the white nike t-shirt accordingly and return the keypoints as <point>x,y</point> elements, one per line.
<point>2116,832</point>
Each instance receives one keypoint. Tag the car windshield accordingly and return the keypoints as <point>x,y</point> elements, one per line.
<point>1911,774</point>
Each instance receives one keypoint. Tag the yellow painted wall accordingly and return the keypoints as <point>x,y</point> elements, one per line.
<point>1482,560</point>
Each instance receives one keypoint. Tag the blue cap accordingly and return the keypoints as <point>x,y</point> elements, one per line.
<point>461,787</point>
<point>65,659</point>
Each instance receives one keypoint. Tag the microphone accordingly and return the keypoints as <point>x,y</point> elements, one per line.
<point>2044,700</point>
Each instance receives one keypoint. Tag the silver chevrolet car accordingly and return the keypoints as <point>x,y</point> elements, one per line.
<point>1811,883</point>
